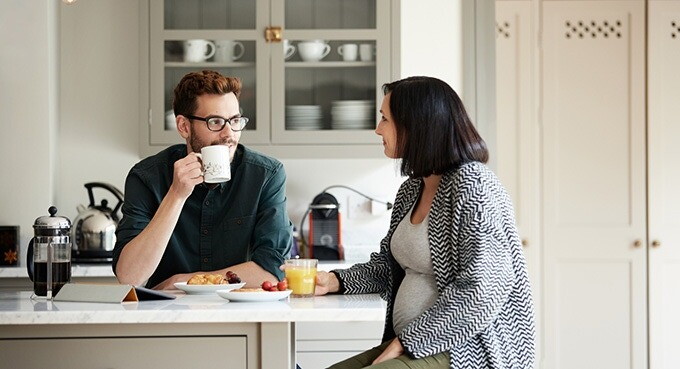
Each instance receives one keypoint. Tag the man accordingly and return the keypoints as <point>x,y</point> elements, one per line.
<point>175,226</point>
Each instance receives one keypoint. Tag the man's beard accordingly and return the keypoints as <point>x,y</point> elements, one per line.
<point>197,145</point>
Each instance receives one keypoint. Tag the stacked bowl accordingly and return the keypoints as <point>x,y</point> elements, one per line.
<point>353,114</point>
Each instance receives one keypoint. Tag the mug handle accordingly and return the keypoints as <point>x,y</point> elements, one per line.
<point>289,51</point>
<point>340,48</point>
<point>238,56</point>
<point>326,50</point>
<point>200,157</point>
<point>212,50</point>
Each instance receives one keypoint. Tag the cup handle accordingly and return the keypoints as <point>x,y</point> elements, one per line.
<point>290,51</point>
<point>212,50</point>
<point>200,157</point>
<point>238,55</point>
<point>340,48</point>
<point>326,51</point>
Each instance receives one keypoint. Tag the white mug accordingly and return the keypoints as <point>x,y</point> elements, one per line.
<point>170,124</point>
<point>366,52</point>
<point>225,51</point>
<point>288,49</point>
<point>216,163</point>
<point>313,50</point>
<point>348,52</point>
<point>196,51</point>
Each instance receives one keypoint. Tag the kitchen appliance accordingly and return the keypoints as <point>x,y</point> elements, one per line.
<point>94,229</point>
<point>48,259</point>
<point>325,238</point>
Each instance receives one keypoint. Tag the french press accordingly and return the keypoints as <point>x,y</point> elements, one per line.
<point>48,258</point>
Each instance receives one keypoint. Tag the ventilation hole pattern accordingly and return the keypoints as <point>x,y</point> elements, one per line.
<point>503,29</point>
<point>675,29</point>
<point>594,29</point>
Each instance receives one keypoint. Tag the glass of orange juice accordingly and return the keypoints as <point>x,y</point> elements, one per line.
<point>301,276</point>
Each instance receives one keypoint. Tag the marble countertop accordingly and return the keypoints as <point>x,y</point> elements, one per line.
<point>84,270</point>
<point>17,308</point>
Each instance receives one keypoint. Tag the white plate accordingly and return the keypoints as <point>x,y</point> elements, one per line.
<point>194,289</point>
<point>254,296</point>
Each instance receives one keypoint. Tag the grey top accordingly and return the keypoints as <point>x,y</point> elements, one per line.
<point>418,290</point>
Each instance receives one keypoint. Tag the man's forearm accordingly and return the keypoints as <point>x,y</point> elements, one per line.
<point>140,257</point>
<point>251,273</point>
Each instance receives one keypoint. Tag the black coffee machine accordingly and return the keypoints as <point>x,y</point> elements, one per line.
<point>325,236</point>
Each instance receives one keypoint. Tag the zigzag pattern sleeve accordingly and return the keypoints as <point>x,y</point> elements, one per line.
<point>476,295</point>
<point>368,277</point>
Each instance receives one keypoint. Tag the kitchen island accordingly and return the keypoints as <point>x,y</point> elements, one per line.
<point>201,331</point>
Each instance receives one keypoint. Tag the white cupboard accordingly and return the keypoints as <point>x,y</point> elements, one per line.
<point>663,130</point>
<point>593,175</point>
<point>590,111</point>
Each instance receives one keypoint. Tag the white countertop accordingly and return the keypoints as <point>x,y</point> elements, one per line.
<point>84,270</point>
<point>17,308</point>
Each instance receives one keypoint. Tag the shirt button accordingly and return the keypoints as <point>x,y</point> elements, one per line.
<point>207,203</point>
<point>239,222</point>
<point>205,231</point>
<point>205,260</point>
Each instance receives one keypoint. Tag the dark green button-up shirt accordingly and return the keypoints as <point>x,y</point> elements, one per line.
<point>241,220</point>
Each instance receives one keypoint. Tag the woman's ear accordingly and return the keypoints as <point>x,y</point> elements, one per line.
<point>182,126</point>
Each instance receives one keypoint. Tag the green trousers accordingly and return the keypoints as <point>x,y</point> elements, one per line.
<point>364,360</point>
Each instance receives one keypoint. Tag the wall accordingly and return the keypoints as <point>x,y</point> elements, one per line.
<point>29,106</point>
<point>99,105</point>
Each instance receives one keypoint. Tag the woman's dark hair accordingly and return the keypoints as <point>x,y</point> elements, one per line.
<point>434,132</point>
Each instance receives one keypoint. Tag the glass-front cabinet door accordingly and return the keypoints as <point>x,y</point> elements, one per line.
<point>328,71</point>
<point>316,84</point>
<point>221,35</point>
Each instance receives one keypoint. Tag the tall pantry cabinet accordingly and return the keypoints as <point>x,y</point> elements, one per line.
<point>663,130</point>
<point>600,108</point>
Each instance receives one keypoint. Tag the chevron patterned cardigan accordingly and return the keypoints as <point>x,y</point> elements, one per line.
<point>483,316</point>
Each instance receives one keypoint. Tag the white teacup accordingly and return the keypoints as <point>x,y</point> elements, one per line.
<point>196,51</point>
<point>228,51</point>
<point>288,49</point>
<point>216,164</point>
<point>313,50</point>
<point>348,52</point>
<point>170,124</point>
<point>366,52</point>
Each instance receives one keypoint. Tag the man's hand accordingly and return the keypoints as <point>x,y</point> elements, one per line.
<point>169,283</point>
<point>393,350</point>
<point>186,175</point>
<point>325,283</point>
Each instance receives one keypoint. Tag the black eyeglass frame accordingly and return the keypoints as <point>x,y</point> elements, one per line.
<point>207,120</point>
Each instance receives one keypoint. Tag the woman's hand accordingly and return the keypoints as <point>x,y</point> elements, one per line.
<point>326,283</point>
<point>393,350</point>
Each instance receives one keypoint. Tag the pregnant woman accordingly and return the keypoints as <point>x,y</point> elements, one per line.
<point>451,266</point>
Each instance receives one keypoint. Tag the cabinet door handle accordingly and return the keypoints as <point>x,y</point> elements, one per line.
<point>525,242</point>
<point>273,34</point>
<point>656,243</point>
<point>637,243</point>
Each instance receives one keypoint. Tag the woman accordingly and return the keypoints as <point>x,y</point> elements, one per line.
<point>451,266</point>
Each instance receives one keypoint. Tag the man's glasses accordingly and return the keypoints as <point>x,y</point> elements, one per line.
<point>217,124</point>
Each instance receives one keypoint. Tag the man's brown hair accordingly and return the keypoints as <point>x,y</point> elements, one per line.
<point>200,83</point>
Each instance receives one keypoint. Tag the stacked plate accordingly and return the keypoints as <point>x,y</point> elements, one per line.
<point>304,117</point>
<point>353,114</point>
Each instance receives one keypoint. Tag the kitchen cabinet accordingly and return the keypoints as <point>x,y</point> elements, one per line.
<point>595,100</point>
<point>517,152</point>
<point>663,131</point>
<point>297,108</point>
<point>322,344</point>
